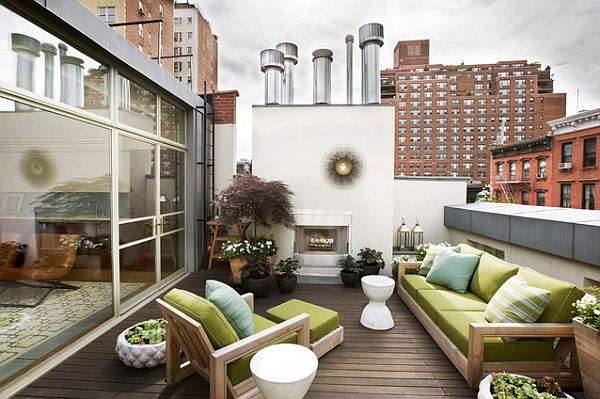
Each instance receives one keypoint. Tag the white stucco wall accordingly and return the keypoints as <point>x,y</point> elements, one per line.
<point>551,265</point>
<point>225,154</point>
<point>289,144</point>
<point>424,198</point>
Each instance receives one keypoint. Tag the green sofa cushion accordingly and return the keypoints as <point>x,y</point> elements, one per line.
<point>455,325</point>
<point>490,274</point>
<point>433,301</point>
<point>219,331</point>
<point>239,370</point>
<point>453,270</point>
<point>467,249</point>
<point>560,308</point>
<point>232,305</point>
<point>322,320</point>
<point>412,283</point>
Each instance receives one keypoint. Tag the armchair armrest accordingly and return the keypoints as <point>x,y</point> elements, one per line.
<point>220,358</point>
<point>249,298</point>
<point>404,266</point>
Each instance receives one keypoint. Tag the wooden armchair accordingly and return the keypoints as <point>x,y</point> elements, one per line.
<point>186,335</point>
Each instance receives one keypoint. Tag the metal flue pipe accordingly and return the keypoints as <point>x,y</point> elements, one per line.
<point>322,59</point>
<point>71,78</point>
<point>290,58</point>
<point>349,49</point>
<point>50,52</point>
<point>370,39</point>
<point>271,64</point>
<point>27,49</point>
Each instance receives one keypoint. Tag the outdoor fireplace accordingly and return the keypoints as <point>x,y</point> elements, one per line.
<point>322,239</point>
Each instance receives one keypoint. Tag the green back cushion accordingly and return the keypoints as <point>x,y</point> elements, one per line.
<point>430,256</point>
<point>232,305</point>
<point>452,270</point>
<point>467,249</point>
<point>490,275</point>
<point>215,325</point>
<point>560,308</point>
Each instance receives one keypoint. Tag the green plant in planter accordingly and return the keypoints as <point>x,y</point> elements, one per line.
<point>371,257</point>
<point>510,386</point>
<point>396,262</point>
<point>257,267</point>
<point>149,332</point>
<point>350,271</point>
<point>587,309</point>
<point>287,268</point>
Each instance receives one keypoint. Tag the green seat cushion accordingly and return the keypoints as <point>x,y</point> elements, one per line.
<point>412,283</point>
<point>322,320</point>
<point>455,325</point>
<point>467,249</point>
<point>453,270</point>
<point>232,305</point>
<point>219,331</point>
<point>434,301</point>
<point>239,370</point>
<point>563,295</point>
<point>490,274</point>
<point>432,251</point>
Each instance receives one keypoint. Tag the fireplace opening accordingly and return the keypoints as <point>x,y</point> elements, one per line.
<point>330,240</point>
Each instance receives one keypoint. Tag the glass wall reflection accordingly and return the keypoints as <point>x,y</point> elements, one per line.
<point>55,236</point>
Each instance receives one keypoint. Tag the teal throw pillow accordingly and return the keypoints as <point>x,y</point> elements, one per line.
<point>232,305</point>
<point>430,256</point>
<point>452,270</point>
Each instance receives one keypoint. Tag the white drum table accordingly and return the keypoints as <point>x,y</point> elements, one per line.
<point>284,371</point>
<point>376,314</point>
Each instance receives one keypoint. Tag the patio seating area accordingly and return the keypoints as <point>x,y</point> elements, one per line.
<point>403,362</point>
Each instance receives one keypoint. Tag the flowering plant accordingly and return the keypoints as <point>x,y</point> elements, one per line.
<point>587,309</point>
<point>396,261</point>
<point>254,248</point>
<point>149,332</point>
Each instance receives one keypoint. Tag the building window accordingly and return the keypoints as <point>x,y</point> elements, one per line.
<point>107,14</point>
<point>567,152</point>
<point>512,170</point>
<point>526,167</point>
<point>589,152</point>
<point>177,21</point>
<point>189,35</point>
<point>177,50</point>
<point>588,196</point>
<point>141,30</point>
<point>565,195</point>
<point>541,169</point>
<point>498,195</point>
<point>525,197</point>
<point>189,20</point>
<point>189,50</point>
<point>177,37</point>
<point>177,66</point>
<point>540,199</point>
<point>499,171</point>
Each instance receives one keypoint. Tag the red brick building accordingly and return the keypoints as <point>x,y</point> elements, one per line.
<point>143,36</point>
<point>448,116</point>
<point>563,166</point>
<point>224,106</point>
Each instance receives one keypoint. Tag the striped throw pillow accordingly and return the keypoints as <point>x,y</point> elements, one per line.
<point>430,256</point>
<point>516,302</point>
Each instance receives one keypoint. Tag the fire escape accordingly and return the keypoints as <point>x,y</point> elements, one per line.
<point>507,192</point>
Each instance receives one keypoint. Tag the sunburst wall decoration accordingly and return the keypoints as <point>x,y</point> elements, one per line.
<point>37,168</point>
<point>343,166</point>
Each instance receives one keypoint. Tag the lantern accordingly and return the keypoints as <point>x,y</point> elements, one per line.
<point>417,235</point>
<point>403,236</point>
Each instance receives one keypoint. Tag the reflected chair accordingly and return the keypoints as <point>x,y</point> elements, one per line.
<point>56,257</point>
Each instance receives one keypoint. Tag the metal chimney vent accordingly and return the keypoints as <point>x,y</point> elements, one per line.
<point>370,39</point>
<point>271,63</point>
<point>290,58</point>
<point>322,59</point>
<point>349,49</point>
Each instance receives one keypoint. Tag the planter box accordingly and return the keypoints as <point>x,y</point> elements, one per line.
<point>139,356</point>
<point>485,388</point>
<point>587,342</point>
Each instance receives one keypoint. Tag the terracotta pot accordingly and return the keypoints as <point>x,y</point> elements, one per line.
<point>236,265</point>
<point>587,341</point>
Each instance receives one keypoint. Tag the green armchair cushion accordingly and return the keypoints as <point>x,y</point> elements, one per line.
<point>452,270</point>
<point>490,274</point>
<point>219,331</point>
<point>433,301</point>
<point>413,283</point>
<point>427,262</point>
<point>322,320</point>
<point>232,305</point>
<point>563,294</point>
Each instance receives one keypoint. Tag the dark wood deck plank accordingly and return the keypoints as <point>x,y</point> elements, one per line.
<point>400,363</point>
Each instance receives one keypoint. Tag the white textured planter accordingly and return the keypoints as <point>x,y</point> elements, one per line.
<point>485,388</point>
<point>139,356</point>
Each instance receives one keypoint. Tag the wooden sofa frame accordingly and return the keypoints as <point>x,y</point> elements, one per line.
<point>472,367</point>
<point>186,335</point>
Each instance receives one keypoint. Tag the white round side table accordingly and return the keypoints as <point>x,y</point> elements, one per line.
<point>376,314</point>
<point>284,371</point>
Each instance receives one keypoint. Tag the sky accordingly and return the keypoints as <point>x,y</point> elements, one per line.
<point>562,34</point>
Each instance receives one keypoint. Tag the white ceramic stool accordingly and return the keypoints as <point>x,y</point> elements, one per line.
<point>284,371</point>
<point>376,315</point>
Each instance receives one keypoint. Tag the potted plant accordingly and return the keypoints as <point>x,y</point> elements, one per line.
<point>507,386</point>
<point>256,276</point>
<point>286,273</point>
<point>586,325</point>
<point>350,271</point>
<point>396,262</point>
<point>238,252</point>
<point>143,345</point>
<point>371,261</point>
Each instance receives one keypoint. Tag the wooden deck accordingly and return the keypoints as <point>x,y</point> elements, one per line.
<point>400,363</point>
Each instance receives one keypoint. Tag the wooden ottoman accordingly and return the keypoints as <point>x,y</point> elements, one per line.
<point>325,330</point>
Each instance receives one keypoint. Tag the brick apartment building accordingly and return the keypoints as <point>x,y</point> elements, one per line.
<point>143,36</point>
<point>447,116</point>
<point>194,37</point>
<point>562,168</point>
